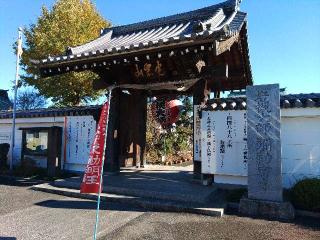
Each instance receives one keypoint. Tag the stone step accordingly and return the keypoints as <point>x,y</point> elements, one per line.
<point>210,209</point>
<point>144,193</point>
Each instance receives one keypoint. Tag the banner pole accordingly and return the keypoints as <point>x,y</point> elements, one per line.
<point>101,175</point>
<point>16,82</point>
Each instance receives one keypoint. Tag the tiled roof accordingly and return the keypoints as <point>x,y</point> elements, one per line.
<point>53,112</point>
<point>220,21</point>
<point>311,100</point>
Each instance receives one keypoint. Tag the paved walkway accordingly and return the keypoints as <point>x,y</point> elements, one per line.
<point>160,182</point>
<point>155,187</point>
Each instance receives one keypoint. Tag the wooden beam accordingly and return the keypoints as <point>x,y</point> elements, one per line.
<point>220,47</point>
<point>201,95</point>
<point>181,46</point>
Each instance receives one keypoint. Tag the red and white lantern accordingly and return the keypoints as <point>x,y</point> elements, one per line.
<point>166,112</point>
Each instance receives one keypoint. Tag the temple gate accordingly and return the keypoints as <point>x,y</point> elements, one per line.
<point>193,53</point>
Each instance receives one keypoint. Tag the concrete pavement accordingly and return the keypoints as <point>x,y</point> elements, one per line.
<point>160,182</point>
<point>155,188</point>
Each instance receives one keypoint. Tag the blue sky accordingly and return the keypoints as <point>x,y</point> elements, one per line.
<point>284,35</point>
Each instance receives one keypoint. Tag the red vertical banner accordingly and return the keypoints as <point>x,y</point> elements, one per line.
<point>92,175</point>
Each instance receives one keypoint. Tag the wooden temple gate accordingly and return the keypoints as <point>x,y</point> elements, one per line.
<point>193,53</point>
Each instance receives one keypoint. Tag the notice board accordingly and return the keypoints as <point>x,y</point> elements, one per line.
<point>80,131</point>
<point>224,147</point>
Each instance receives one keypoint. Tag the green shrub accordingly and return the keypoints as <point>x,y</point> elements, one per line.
<point>306,194</point>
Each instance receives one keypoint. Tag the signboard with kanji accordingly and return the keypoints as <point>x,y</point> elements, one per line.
<point>92,175</point>
<point>224,147</point>
<point>80,132</point>
<point>208,143</point>
<point>196,133</point>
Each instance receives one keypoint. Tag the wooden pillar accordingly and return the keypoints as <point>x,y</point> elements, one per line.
<point>132,134</point>
<point>112,147</point>
<point>200,96</point>
<point>54,151</point>
<point>141,128</point>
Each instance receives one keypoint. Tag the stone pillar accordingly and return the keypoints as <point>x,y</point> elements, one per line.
<point>200,97</point>
<point>264,153</point>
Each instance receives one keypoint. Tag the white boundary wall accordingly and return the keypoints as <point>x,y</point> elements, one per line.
<point>300,136</point>
<point>76,138</point>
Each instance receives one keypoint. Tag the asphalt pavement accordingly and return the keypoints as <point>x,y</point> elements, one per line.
<point>183,226</point>
<point>28,214</point>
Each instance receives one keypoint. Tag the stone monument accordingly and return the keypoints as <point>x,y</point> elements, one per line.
<point>264,152</point>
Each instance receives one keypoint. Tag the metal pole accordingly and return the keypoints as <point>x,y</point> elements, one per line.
<point>15,99</point>
<point>101,175</point>
<point>164,146</point>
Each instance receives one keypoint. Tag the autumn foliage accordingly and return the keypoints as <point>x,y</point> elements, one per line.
<point>68,23</point>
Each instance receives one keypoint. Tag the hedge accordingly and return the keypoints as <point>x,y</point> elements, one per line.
<point>306,194</point>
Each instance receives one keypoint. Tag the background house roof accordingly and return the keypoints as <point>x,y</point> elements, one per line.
<point>5,103</point>
<point>53,112</point>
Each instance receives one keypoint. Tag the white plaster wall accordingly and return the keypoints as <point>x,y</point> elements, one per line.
<point>229,179</point>
<point>6,128</point>
<point>300,135</point>
<point>300,140</point>
<point>67,164</point>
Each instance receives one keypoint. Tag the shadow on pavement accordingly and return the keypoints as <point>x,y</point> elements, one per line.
<point>8,238</point>
<point>19,182</point>
<point>87,204</point>
<point>308,223</point>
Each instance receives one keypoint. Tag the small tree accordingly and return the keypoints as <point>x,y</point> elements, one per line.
<point>29,99</point>
<point>186,115</point>
<point>69,23</point>
<point>175,142</point>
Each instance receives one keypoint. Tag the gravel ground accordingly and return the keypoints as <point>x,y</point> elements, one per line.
<point>178,226</point>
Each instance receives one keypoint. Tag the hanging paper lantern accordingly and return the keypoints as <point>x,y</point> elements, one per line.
<point>166,112</point>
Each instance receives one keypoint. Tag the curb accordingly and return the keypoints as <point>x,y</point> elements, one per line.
<point>149,204</point>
